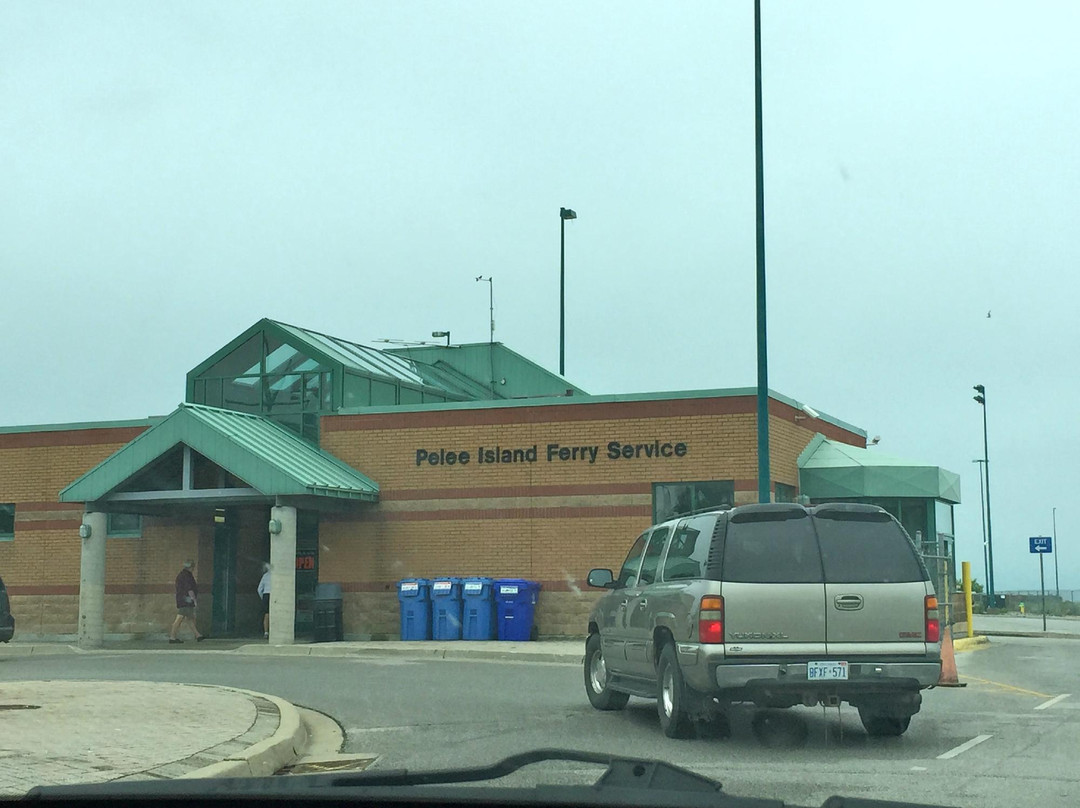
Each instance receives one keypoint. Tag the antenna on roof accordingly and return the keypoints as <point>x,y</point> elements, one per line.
<point>490,281</point>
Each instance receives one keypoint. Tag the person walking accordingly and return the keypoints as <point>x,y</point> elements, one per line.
<point>187,593</point>
<point>264,594</point>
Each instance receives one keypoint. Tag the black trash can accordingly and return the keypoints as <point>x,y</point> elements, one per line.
<point>327,623</point>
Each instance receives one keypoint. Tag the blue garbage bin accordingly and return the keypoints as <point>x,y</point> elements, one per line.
<point>515,607</point>
<point>414,595</point>
<point>478,621</point>
<point>446,609</point>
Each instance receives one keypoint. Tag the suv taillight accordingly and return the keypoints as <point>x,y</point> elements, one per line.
<point>711,619</point>
<point>933,624</point>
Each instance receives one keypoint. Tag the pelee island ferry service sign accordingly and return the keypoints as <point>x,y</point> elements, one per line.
<point>551,453</point>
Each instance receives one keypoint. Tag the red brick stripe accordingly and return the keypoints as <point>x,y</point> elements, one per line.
<point>470,514</point>
<point>110,589</point>
<point>518,491</point>
<point>540,413</point>
<point>73,437</point>
<point>32,507</point>
<point>57,589</point>
<point>28,525</point>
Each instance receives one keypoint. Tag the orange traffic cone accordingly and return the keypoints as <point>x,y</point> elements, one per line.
<point>949,677</point>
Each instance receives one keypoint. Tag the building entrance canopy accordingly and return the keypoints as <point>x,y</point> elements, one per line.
<point>200,456</point>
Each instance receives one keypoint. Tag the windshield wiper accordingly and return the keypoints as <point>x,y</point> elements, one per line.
<point>632,782</point>
<point>622,772</point>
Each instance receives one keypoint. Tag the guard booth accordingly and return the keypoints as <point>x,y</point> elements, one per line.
<point>920,496</point>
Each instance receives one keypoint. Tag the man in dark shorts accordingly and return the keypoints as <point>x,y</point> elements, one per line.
<point>187,593</point>
<point>264,594</point>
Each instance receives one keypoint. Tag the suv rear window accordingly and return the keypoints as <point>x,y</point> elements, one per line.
<point>772,547</point>
<point>866,548</point>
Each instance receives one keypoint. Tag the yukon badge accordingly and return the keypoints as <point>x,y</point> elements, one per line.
<point>759,635</point>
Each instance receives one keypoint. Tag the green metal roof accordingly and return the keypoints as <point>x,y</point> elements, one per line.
<point>514,375</point>
<point>829,469</point>
<point>564,400</point>
<point>265,455</point>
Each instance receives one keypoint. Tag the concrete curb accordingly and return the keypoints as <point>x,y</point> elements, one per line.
<point>38,649</point>
<point>1037,635</point>
<point>575,658</point>
<point>265,757</point>
<point>970,643</point>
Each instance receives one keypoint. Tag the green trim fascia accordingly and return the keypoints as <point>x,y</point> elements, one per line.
<point>77,425</point>
<point>201,428</point>
<point>556,401</point>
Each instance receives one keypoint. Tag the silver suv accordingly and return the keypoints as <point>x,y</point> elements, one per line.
<point>776,605</point>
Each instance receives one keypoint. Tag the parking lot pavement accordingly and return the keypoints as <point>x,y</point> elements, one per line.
<point>1031,623</point>
<point>63,732</point>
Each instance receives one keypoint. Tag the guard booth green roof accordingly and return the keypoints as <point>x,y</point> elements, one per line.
<point>830,469</point>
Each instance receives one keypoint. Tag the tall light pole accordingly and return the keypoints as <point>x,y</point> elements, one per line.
<point>981,398</point>
<point>1057,588</point>
<point>982,511</point>
<point>764,486</point>
<point>564,214</point>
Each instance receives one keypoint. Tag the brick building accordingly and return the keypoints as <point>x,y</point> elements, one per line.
<point>341,463</point>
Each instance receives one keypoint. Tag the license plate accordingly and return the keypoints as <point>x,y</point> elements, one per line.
<point>826,671</point>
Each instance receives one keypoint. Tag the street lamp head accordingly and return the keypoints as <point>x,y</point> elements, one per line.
<point>979,389</point>
<point>566,213</point>
<point>980,399</point>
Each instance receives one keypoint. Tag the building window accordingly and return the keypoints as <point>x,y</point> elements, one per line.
<point>7,522</point>
<point>673,499</point>
<point>123,526</point>
<point>784,492</point>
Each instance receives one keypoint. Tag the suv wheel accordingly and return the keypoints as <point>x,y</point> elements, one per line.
<point>672,696</point>
<point>883,726</point>
<point>601,696</point>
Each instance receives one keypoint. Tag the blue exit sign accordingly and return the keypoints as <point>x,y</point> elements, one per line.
<point>1040,544</point>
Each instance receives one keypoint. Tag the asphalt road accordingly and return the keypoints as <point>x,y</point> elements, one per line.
<point>1007,739</point>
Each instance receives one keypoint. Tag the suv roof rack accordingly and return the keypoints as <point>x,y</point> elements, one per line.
<point>710,509</point>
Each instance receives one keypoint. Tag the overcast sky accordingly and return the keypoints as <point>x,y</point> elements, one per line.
<point>171,173</point>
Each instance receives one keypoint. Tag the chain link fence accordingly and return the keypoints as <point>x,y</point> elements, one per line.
<point>939,564</point>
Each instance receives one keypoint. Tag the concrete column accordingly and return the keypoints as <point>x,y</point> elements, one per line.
<point>283,576</point>
<point>92,583</point>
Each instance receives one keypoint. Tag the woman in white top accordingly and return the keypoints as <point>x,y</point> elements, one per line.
<point>264,593</point>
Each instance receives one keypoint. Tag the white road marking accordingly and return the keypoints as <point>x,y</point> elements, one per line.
<point>358,730</point>
<point>958,750</point>
<point>1053,701</point>
<point>918,768</point>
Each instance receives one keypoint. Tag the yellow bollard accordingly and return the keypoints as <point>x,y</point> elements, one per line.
<point>966,567</point>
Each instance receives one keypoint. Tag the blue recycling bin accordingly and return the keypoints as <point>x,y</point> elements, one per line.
<point>515,608</point>
<point>478,621</point>
<point>446,608</point>
<point>414,595</point>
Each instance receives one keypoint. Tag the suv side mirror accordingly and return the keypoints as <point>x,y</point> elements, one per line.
<point>601,579</point>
